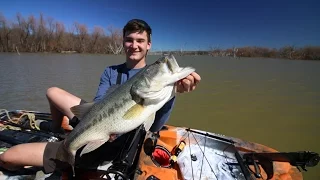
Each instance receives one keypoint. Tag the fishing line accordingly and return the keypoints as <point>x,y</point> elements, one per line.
<point>190,156</point>
<point>204,150</point>
<point>205,156</point>
<point>226,159</point>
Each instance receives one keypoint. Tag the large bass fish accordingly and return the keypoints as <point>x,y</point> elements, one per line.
<point>123,108</point>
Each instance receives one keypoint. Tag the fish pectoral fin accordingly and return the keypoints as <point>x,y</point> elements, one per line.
<point>93,145</point>
<point>81,110</point>
<point>150,94</point>
<point>133,112</point>
<point>149,121</point>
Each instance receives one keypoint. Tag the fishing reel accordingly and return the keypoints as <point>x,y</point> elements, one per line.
<point>125,165</point>
<point>151,143</point>
<point>117,171</point>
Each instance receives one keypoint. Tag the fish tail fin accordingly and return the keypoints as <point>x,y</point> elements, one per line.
<point>64,155</point>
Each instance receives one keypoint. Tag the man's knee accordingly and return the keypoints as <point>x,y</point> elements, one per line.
<point>29,154</point>
<point>4,158</point>
<point>7,162</point>
<point>9,159</point>
<point>25,154</point>
<point>52,92</point>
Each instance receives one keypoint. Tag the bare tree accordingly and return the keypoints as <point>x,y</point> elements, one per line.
<point>70,41</point>
<point>215,51</point>
<point>24,31</point>
<point>116,42</point>
<point>98,32</point>
<point>58,36</point>
<point>82,36</point>
<point>49,38</point>
<point>40,35</point>
<point>32,30</point>
<point>287,52</point>
<point>5,31</point>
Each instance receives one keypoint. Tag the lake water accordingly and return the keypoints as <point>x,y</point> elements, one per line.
<point>273,102</point>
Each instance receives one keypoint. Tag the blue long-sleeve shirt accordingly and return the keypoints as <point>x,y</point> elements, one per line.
<point>109,78</point>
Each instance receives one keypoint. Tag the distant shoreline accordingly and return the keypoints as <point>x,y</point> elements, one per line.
<point>40,35</point>
<point>189,53</point>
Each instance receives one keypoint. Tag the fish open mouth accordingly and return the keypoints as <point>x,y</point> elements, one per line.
<point>172,63</point>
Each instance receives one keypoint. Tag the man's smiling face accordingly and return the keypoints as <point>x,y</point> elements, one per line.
<point>136,45</point>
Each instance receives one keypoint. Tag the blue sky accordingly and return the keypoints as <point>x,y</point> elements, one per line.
<point>191,24</point>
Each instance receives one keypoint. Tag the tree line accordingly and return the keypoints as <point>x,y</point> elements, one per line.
<point>31,34</point>
<point>42,34</point>
<point>287,52</point>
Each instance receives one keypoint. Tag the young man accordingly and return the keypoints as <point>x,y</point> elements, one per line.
<point>137,42</point>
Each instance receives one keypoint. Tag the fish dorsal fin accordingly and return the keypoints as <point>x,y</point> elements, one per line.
<point>93,145</point>
<point>133,112</point>
<point>81,110</point>
<point>111,89</point>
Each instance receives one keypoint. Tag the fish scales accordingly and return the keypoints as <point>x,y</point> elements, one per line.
<point>105,110</point>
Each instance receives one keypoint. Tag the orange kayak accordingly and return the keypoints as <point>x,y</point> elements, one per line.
<point>211,156</point>
<point>176,153</point>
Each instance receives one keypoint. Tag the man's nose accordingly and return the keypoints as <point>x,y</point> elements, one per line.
<point>134,44</point>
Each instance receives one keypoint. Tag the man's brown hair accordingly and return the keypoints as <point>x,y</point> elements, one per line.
<point>137,25</point>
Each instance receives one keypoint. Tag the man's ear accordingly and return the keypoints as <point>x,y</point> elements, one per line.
<point>149,46</point>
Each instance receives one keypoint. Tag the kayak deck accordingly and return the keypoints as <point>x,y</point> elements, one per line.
<point>205,155</point>
<point>215,158</point>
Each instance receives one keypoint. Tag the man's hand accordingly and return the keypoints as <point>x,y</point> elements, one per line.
<point>113,137</point>
<point>189,83</point>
